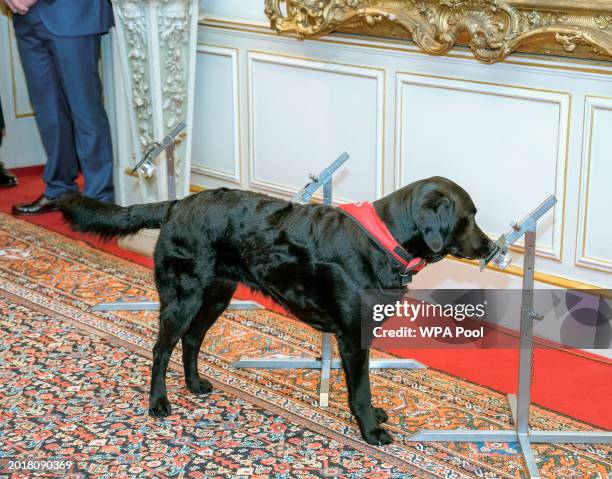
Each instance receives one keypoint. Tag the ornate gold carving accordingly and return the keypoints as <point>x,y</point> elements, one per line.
<point>493,29</point>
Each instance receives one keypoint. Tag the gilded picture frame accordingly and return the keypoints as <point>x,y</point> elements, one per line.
<point>492,29</point>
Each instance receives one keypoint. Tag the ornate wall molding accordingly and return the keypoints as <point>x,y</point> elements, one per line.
<point>157,44</point>
<point>493,29</point>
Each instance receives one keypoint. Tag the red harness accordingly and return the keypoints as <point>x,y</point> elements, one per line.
<point>365,216</point>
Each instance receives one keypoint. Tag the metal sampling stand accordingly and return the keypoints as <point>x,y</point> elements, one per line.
<point>326,362</point>
<point>520,405</point>
<point>147,168</point>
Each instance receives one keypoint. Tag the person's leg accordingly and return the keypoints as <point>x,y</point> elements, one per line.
<point>52,114</point>
<point>7,179</point>
<point>77,62</point>
<point>1,122</point>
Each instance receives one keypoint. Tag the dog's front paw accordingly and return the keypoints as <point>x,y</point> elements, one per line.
<point>380,415</point>
<point>378,437</point>
<point>199,386</point>
<point>160,407</point>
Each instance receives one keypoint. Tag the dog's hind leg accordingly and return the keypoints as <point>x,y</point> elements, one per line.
<point>181,298</point>
<point>355,362</point>
<point>215,300</point>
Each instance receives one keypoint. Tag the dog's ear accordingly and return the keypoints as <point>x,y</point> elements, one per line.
<point>432,212</point>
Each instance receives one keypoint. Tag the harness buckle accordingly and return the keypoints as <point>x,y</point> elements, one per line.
<point>412,267</point>
<point>407,274</point>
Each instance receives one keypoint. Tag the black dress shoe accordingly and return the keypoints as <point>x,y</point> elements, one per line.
<point>42,205</point>
<point>7,179</point>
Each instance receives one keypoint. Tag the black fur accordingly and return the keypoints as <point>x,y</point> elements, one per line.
<point>108,220</point>
<point>311,259</point>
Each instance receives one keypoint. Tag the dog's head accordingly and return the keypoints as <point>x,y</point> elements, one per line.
<point>443,219</point>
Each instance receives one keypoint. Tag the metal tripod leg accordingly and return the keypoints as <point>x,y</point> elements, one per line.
<point>296,362</point>
<point>528,457</point>
<point>125,306</point>
<point>235,305</point>
<point>526,355</point>
<point>512,402</point>
<point>325,363</point>
<point>326,358</point>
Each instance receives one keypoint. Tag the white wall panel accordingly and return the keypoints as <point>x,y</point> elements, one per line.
<point>303,114</point>
<point>237,9</point>
<point>594,242</point>
<point>22,106</point>
<point>216,134</point>
<point>510,133</point>
<point>21,144</point>
<point>487,138</point>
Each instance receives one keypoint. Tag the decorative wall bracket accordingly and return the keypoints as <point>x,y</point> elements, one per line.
<point>493,29</point>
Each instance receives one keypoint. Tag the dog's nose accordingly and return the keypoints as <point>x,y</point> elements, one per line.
<point>486,247</point>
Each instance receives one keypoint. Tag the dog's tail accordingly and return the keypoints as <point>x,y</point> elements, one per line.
<point>109,220</point>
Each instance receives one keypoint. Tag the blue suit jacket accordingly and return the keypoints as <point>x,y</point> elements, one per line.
<point>75,18</point>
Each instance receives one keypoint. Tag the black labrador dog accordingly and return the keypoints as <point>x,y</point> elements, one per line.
<point>311,259</point>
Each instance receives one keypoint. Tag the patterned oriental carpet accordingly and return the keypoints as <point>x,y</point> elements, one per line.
<point>74,385</point>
